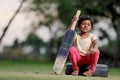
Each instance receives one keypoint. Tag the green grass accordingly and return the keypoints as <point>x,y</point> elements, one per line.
<point>16,70</point>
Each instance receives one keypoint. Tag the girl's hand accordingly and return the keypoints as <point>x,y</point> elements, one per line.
<point>92,51</point>
<point>74,19</point>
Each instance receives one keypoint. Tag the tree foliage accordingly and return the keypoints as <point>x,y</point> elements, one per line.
<point>65,11</point>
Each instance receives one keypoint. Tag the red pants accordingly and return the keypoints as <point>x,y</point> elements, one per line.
<point>76,59</point>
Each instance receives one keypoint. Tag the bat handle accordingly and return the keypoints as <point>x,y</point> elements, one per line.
<point>75,22</point>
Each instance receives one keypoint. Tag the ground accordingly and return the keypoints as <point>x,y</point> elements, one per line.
<point>30,70</point>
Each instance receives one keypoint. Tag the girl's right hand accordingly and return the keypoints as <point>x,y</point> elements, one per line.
<point>74,19</point>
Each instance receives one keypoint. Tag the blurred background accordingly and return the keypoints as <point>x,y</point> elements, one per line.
<point>33,29</point>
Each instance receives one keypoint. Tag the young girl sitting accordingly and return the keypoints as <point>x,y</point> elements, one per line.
<point>84,50</point>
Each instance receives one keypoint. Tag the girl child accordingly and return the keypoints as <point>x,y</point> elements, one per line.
<point>84,50</point>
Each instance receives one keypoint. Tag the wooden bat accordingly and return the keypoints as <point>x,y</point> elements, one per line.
<point>64,47</point>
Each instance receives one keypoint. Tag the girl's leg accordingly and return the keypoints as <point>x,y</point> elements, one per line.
<point>92,59</point>
<point>75,58</point>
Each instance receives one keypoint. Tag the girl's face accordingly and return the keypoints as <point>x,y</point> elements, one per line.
<point>85,26</point>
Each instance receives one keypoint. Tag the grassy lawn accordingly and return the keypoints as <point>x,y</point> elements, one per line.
<point>14,70</point>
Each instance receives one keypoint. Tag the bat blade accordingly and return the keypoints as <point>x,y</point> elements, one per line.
<point>63,51</point>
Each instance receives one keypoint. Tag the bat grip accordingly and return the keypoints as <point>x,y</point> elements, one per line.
<point>75,22</point>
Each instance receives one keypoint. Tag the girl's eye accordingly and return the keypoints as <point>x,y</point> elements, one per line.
<point>86,24</point>
<point>83,24</point>
<point>89,25</point>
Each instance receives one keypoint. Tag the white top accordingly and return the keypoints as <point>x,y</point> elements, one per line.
<point>83,44</point>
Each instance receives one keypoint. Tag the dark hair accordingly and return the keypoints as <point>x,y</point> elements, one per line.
<point>82,18</point>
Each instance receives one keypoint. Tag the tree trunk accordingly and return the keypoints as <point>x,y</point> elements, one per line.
<point>8,25</point>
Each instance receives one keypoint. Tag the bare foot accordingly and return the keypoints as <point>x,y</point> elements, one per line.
<point>75,73</point>
<point>88,73</point>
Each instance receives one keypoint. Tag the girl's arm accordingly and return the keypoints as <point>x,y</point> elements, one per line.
<point>74,19</point>
<point>93,46</point>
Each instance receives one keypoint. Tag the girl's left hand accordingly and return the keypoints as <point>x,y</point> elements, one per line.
<point>92,51</point>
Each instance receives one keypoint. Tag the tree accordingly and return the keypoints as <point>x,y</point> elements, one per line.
<point>48,10</point>
<point>113,6</point>
<point>62,11</point>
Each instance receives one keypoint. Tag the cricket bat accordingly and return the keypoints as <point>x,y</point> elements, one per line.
<point>63,51</point>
